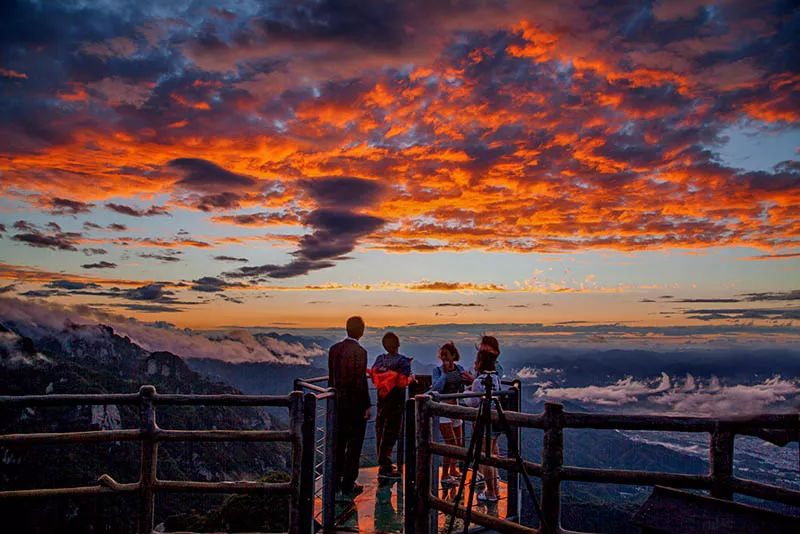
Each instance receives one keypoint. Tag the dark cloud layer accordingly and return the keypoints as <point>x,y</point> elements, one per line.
<point>212,284</point>
<point>232,259</point>
<point>337,226</point>
<point>136,212</point>
<point>205,176</point>
<point>51,236</point>
<point>343,192</point>
<point>777,295</point>
<point>100,265</point>
<point>744,314</point>
<point>71,285</point>
<point>65,206</point>
<point>167,256</point>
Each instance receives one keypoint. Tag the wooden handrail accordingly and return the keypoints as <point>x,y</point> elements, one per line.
<point>480,518</point>
<point>136,398</point>
<point>300,434</point>
<point>719,480</point>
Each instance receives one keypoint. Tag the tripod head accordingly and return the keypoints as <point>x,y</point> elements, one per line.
<point>488,384</point>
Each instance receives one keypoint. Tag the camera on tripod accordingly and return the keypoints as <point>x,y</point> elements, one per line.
<point>480,447</point>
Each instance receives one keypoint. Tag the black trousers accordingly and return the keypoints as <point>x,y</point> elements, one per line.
<point>388,425</point>
<point>350,428</point>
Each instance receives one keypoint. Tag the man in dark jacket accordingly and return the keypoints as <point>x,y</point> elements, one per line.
<point>347,372</point>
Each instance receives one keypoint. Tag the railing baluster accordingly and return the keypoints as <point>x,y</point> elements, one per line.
<point>721,462</point>
<point>409,480</point>
<point>149,460</point>
<point>423,466</point>
<point>307,474</point>
<point>328,485</point>
<point>401,445</point>
<point>513,493</point>
<point>552,460</point>
<point>296,426</point>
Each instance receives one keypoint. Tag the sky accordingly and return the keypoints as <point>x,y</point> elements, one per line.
<point>287,164</point>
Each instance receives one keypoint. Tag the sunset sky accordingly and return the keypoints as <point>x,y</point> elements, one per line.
<point>217,163</point>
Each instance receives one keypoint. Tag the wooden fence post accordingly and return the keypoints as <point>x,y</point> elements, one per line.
<point>329,470</point>
<point>149,460</point>
<point>721,462</point>
<point>401,443</point>
<point>514,497</point>
<point>296,428</point>
<point>423,466</point>
<point>409,480</point>
<point>307,461</point>
<point>552,460</point>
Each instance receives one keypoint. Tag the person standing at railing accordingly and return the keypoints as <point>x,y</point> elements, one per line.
<point>391,374</point>
<point>486,367</point>
<point>450,377</point>
<point>347,372</point>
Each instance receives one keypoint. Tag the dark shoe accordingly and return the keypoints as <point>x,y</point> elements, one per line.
<point>389,473</point>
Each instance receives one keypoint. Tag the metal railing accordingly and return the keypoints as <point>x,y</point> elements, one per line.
<point>300,435</point>
<point>323,507</point>
<point>324,495</point>
<point>421,449</point>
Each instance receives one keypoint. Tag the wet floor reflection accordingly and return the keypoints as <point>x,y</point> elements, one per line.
<point>379,509</point>
<point>449,493</point>
<point>388,507</point>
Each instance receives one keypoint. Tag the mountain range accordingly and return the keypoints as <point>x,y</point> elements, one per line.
<point>94,359</point>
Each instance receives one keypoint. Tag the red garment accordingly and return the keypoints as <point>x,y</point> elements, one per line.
<point>386,381</point>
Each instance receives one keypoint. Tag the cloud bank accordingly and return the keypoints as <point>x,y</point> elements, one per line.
<point>234,346</point>
<point>689,396</point>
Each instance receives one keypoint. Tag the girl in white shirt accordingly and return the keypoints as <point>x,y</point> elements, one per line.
<point>485,365</point>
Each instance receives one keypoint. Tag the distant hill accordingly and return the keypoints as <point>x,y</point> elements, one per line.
<point>263,378</point>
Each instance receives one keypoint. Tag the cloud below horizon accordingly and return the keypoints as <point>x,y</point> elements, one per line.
<point>40,318</point>
<point>689,396</point>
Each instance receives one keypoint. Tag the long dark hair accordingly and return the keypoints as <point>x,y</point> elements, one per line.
<point>491,344</point>
<point>451,348</point>
<point>485,361</point>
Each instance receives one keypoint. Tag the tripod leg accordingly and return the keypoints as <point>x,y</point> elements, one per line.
<point>505,427</point>
<point>479,432</point>
<point>472,451</point>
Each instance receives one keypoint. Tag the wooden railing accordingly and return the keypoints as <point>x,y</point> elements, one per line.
<point>300,435</point>
<point>720,480</point>
<point>313,454</point>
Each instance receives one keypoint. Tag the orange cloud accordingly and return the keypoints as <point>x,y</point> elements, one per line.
<point>547,136</point>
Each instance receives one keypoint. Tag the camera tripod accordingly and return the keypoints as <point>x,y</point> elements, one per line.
<point>482,437</point>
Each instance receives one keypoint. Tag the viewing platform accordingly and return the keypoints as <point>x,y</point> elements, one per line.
<point>379,509</point>
<point>418,503</point>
